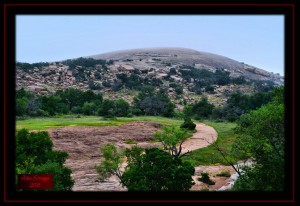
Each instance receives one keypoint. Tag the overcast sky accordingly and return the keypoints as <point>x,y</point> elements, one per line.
<point>257,40</point>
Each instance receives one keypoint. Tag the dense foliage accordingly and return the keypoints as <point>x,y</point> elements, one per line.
<point>261,136</point>
<point>150,102</point>
<point>204,78</point>
<point>28,66</point>
<point>238,104</point>
<point>147,102</point>
<point>84,62</point>
<point>199,110</point>
<point>34,155</point>
<point>149,170</point>
<point>157,170</point>
<point>62,102</point>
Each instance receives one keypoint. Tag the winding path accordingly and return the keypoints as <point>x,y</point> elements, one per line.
<point>204,136</point>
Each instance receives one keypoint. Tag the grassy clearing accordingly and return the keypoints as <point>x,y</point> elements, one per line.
<point>72,120</point>
<point>204,156</point>
<point>209,155</point>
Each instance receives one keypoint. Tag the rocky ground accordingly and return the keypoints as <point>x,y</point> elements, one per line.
<point>83,144</point>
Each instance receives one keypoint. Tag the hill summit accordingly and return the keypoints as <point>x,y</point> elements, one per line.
<point>160,57</point>
<point>184,73</point>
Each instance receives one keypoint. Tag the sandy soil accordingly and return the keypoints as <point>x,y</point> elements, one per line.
<point>204,136</point>
<point>83,143</point>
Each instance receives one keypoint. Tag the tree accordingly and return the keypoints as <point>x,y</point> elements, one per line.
<point>111,163</point>
<point>172,139</point>
<point>53,104</point>
<point>21,106</point>
<point>157,170</point>
<point>152,106</point>
<point>152,170</point>
<point>107,108</point>
<point>70,97</point>
<point>261,135</point>
<point>210,89</point>
<point>121,108</point>
<point>202,109</point>
<point>33,107</point>
<point>172,71</point>
<point>90,96</point>
<point>154,103</point>
<point>88,108</point>
<point>34,155</point>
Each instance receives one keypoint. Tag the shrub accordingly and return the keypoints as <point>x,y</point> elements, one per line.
<point>188,124</point>
<point>224,174</point>
<point>205,178</point>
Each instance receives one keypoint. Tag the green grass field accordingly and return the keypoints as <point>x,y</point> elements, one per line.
<point>72,120</point>
<point>209,155</point>
<point>205,156</point>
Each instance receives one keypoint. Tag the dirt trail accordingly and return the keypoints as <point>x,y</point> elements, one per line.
<point>204,136</point>
<point>83,143</point>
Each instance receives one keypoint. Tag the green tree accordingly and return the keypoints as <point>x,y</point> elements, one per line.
<point>21,106</point>
<point>111,163</point>
<point>23,93</point>
<point>71,97</point>
<point>152,170</point>
<point>107,108</point>
<point>172,139</point>
<point>90,96</point>
<point>53,104</point>
<point>88,108</point>
<point>157,170</point>
<point>154,103</point>
<point>34,155</point>
<point>121,108</point>
<point>261,136</point>
<point>202,109</point>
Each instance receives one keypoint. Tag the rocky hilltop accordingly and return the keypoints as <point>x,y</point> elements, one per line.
<point>118,74</point>
<point>160,58</point>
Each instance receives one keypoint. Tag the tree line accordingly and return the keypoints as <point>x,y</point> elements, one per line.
<point>148,101</point>
<point>75,101</point>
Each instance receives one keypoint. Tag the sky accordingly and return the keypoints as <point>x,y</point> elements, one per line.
<point>257,40</point>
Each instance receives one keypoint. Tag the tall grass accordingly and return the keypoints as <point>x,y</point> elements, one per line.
<point>209,155</point>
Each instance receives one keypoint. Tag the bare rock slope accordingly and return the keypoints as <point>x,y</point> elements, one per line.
<point>184,56</point>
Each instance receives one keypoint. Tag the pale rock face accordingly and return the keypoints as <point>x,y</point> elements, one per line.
<point>150,64</point>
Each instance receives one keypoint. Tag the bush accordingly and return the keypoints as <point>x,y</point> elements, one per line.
<point>188,124</point>
<point>224,174</point>
<point>205,178</point>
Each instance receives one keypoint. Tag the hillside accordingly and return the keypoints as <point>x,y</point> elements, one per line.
<point>158,58</point>
<point>185,73</point>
